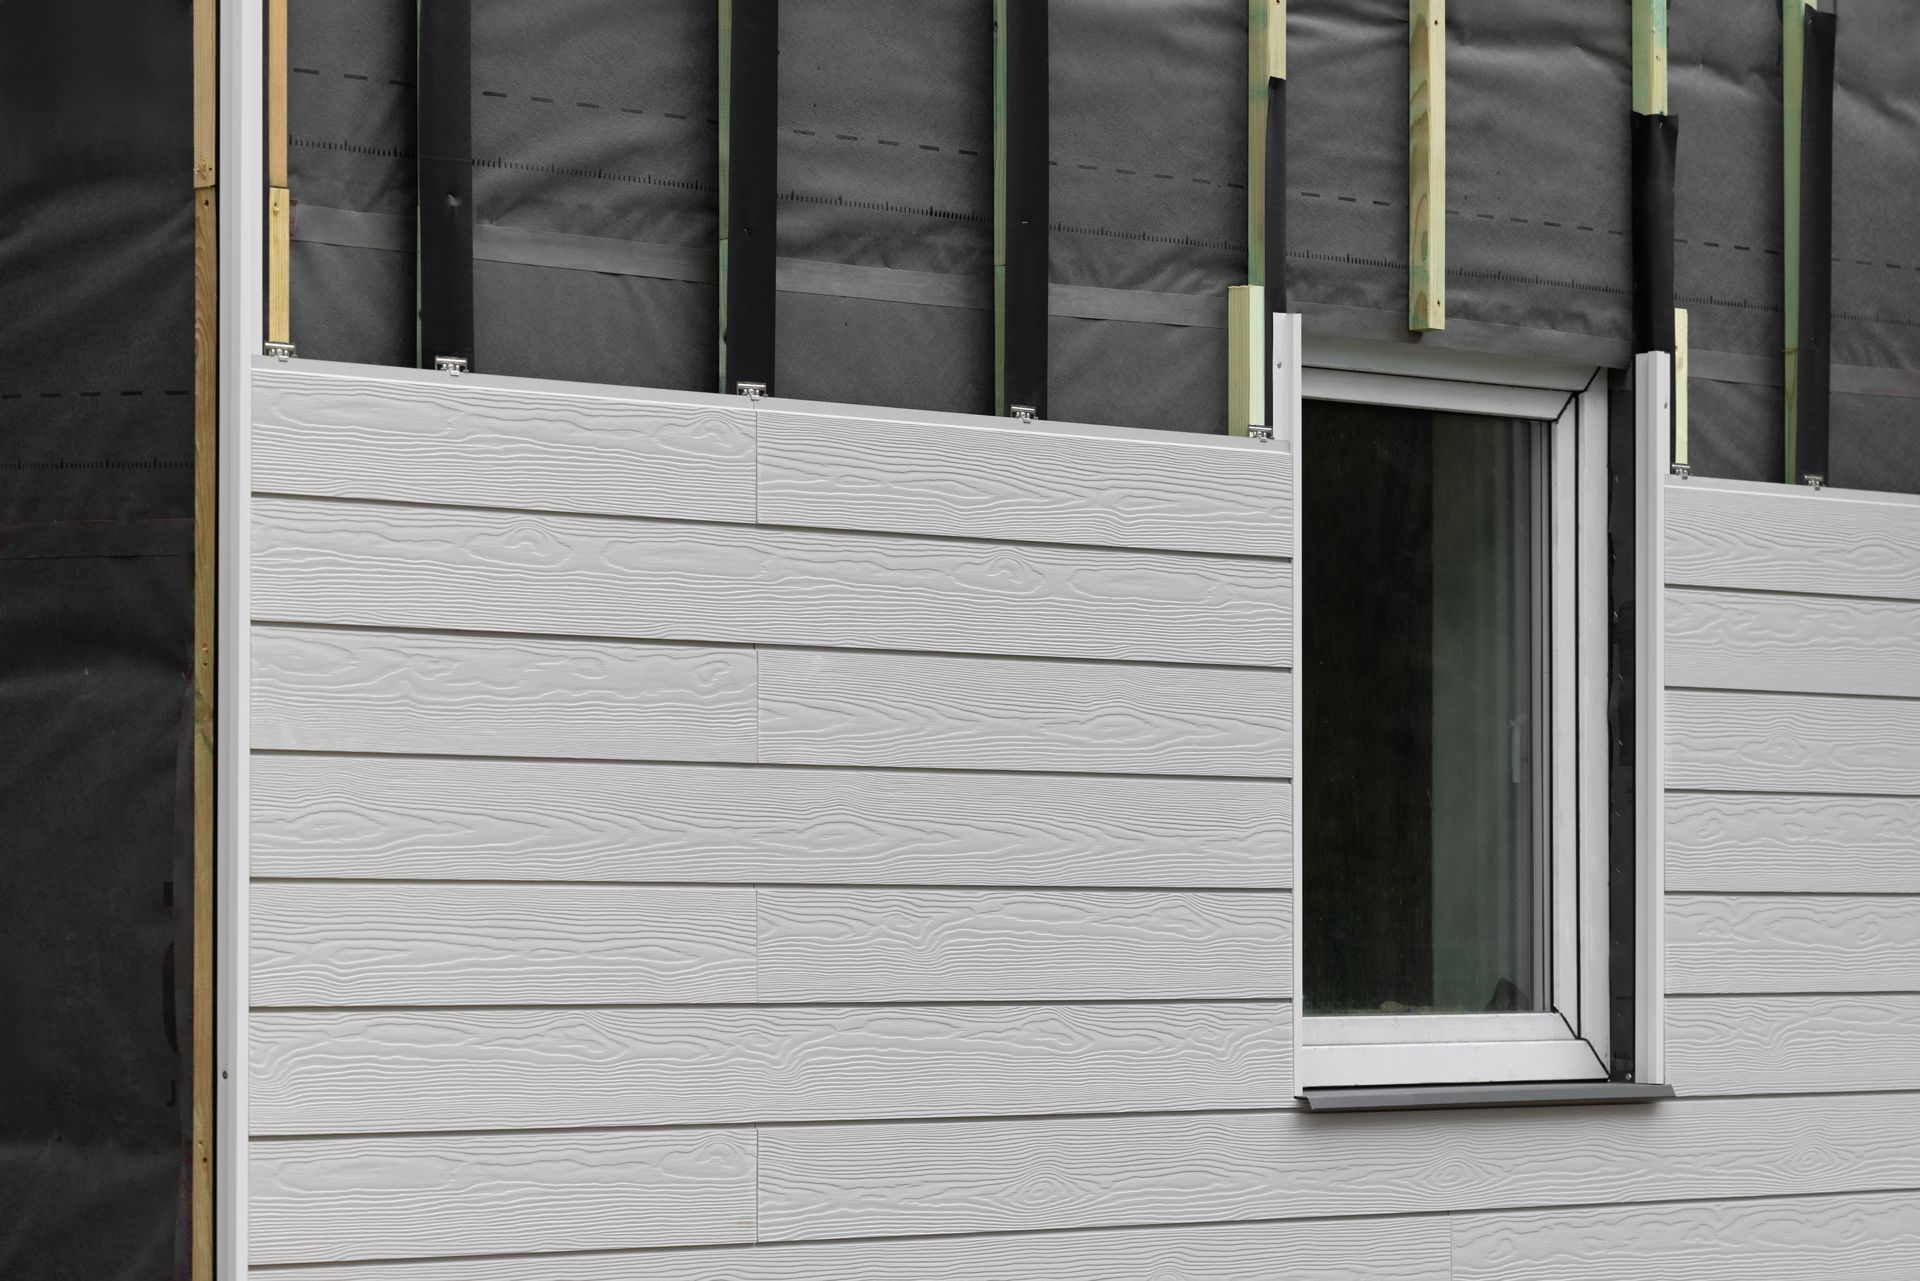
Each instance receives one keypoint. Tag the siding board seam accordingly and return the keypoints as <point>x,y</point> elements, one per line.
<point>461,510</point>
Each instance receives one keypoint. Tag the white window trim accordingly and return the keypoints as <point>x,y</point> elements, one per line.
<point>1570,1043</point>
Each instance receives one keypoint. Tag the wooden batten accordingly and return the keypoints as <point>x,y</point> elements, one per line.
<point>1681,372</point>
<point>1793,61</point>
<point>206,483</point>
<point>279,199</point>
<point>1246,358</point>
<point>1427,152</point>
<point>279,261</point>
<point>276,93</point>
<point>1650,57</point>
<point>1266,64</point>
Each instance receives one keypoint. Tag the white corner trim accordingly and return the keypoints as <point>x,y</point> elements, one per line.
<point>242,192</point>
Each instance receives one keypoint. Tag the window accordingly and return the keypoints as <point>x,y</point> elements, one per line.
<point>1453,913</point>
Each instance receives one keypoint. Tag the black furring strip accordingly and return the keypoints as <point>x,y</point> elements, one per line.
<point>1622,749</point>
<point>1816,250</point>
<point>1655,140</point>
<point>749,148</point>
<point>1020,331</point>
<point>444,146</point>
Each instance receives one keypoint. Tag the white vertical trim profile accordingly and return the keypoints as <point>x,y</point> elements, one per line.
<point>1287,381</point>
<point>1592,501</point>
<point>1653,414</point>
<point>242,230</point>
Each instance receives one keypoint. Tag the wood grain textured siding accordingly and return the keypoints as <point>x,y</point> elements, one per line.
<point>1053,482</point>
<point>1414,1249</point>
<point>1798,644</point>
<point>984,1176</point>
<point>391,944</point>
<point>348,690</point>
<point>361,564</point>
<point>1792,943</point>
<point>1739,741</point>
<point>331,816</point>
<point>1721,843</point>
<point>425,438</point>
<point>826,707</point>
<point>1793,1044</point>
<point>1781,538</point>
<point>908,945</point>
<point>346,1072</point>
<point>403,1196</point>
<point>1858,1238</point>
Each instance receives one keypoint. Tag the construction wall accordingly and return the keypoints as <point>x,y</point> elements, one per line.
<point>96,596</point>
<point>699,838</point>
<point>595,137</point>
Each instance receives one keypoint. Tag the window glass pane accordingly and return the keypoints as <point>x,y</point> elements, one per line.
<point>1424,665</point>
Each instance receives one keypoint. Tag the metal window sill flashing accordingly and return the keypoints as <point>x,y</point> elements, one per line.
<point>1410,1098</point>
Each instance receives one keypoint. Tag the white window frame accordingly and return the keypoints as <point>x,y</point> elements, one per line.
<point>1570,1042</point>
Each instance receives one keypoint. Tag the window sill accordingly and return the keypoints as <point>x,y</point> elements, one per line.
<point>1410,1098</point>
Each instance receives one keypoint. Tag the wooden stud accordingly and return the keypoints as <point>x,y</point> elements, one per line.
<point>1427,187</point>
<point>279,257</point>
<point>206,489</point>
<point>1246,358</point>
<point>1680,375</point>
<point>1793,51</point>
<point>1650,57</point>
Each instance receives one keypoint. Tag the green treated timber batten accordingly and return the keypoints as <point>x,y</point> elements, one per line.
<point>1427,154</point>
<point>1793,60</point>
<point>1246,358</point>
<point>1266,63</point>
<point>1681,372</point>
<point>1650,57</point>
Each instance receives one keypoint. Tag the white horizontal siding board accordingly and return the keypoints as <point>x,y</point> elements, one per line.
<point>850,468</point>
<point>1860,1238</point>
<point>1728,843</point>
<point>1799,644</point>
<point>984,1176</point>
<point>339,1072</point>
<point>1740,741</point>
<point>846,707</point>
<point>370,565</point>
<point>335,816</point>
<point>477,441</point>
<point>907,945</point>
<point>1792,943</point>
<point>323,943</point>
<point>1787,538</point>
<point>1793,1044</point>
<point>397,1197</point>
<point>1412,1249</point>
<point>339,690</point>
